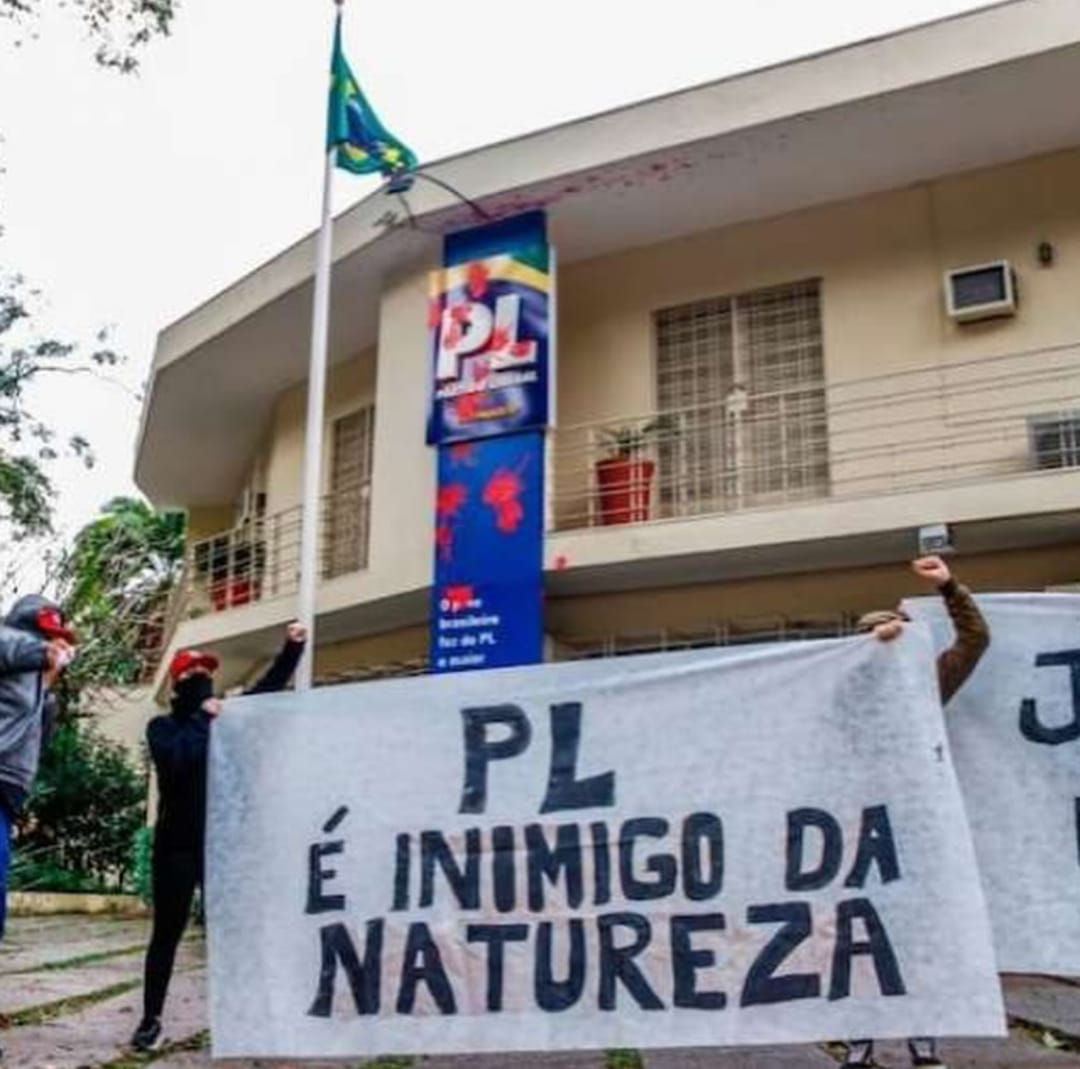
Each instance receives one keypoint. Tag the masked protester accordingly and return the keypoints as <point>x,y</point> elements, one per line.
<point>179,744</point>
<point>954,665</point>
<point>35,646</point>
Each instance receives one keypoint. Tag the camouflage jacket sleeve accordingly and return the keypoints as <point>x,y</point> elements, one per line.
<point>956,663</point>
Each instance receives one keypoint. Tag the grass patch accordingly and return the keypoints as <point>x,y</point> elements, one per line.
<point>131,1060</point>
<point>623,1059</point>
<point>1046,1036</point>
<point>388,1063</point>
<point>49,1011</point>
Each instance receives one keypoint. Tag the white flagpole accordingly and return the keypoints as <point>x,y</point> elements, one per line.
<point>313,434</point>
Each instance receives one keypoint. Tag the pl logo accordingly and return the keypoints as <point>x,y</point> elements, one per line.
<point>472,329</point>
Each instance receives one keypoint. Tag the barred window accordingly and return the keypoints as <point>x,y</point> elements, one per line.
<point>740,381</point>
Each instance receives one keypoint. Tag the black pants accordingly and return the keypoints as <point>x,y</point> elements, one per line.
<point>176,874</point>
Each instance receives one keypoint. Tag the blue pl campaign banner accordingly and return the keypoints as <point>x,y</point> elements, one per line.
<point>489,530</point>
<point>489,332</point>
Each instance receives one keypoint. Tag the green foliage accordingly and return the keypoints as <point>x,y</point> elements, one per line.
<point>142,854</point>
<point>27,444</point>
<point>631,440</point>
<point>117,29</point>
<point>88,802</point>
<point>114,584</point>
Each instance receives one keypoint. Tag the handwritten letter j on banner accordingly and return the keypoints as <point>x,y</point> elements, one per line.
<point>762,846</point>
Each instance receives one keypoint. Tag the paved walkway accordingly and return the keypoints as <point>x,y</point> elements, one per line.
<point>70,988</point>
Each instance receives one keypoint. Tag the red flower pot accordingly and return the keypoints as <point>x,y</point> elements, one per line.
<point>625,489</point>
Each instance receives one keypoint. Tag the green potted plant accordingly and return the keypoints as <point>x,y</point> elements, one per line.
<point>624,477</point>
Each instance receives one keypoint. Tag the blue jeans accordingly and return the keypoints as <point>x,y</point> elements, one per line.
<point>5,862</point>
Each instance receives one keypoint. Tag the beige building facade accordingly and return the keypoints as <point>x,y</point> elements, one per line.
<point>753,290</point>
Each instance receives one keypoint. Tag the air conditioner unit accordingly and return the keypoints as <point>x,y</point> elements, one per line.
<point>1054,440</point>
<point>984,291</point>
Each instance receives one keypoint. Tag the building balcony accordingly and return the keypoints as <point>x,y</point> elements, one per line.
<point>258,560</point>
<point>978,443</point>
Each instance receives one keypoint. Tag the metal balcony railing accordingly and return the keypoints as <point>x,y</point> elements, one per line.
<point>919,429</point>
<point>259,560</point>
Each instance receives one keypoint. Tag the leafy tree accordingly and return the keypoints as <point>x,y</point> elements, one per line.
<point>27,443</point>
<point>114,584</point>
<point>117,29</point>
<point>88,803</point>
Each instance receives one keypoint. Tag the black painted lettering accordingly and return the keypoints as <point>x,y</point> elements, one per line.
<point>876,945</point>
<point>763,987</point>
<point>496,936</point>
<point>601,864</point>
<point>702,856</point>
<point>686,961</point>
<point>798,877</point>
<point>503,877</point>
<point>317,901</point>
<point>554,996</point>
<point>422,964</point>
<point>1031,727</point>
<point>337,947</point>
<point>480,751</point>
<point>661,866</point>
<point>463,880</point>
<point>565,790</point>
<point>617,962</point>
<point>402,862</point>
<point>876,847</point>
<point>545,862</point>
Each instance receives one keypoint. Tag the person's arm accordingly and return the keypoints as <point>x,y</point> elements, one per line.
<point>22,652</point>
<point>955,664</point>
<point>277,676</point>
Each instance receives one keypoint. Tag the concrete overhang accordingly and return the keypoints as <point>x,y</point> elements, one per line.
<point>971,91</point>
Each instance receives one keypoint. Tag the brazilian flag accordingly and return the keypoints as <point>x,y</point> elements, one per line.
<point>364,145</point>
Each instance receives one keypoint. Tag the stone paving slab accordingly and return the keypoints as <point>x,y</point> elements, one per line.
<point>806,1057</point>
<point>24,990</point>
<point>1045,1000</point>
<point>28,946</point>
<point>100,1033</point>
<point>1017,1052</point>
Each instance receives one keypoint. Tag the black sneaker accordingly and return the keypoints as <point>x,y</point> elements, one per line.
<point>147,1034</point>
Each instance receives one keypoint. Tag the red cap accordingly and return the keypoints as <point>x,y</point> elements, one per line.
<point>51,623</point>
<point>185,660</point>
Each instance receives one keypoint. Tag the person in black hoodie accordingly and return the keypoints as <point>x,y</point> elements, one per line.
<point>179,744</point>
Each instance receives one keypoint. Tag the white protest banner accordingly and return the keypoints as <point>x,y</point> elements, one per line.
<point>1014,729</point>
<point>709,848</point>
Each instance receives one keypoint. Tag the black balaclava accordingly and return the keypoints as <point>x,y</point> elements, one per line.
<point>189,694</point>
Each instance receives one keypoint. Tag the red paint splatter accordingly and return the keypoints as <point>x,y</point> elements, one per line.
<point>453,335</point>
<point>451,499</point>
<point>561,562</point>
<point>502,493</point>
<point>500,339</point>
<point>521,349</point>
<point>477,277</point>
<point>467,407</point>
<point>444,541</point>
<point>458,597</point>
<point>434,314</point>
<point>463,453</point>
<point>481,370</point>
<point>459,313</point>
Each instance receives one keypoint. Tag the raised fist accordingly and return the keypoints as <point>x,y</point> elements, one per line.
<point>932,569</point>
<point>296,632</point>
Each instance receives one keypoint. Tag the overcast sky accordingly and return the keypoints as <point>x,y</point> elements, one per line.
<point>129,200</point>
